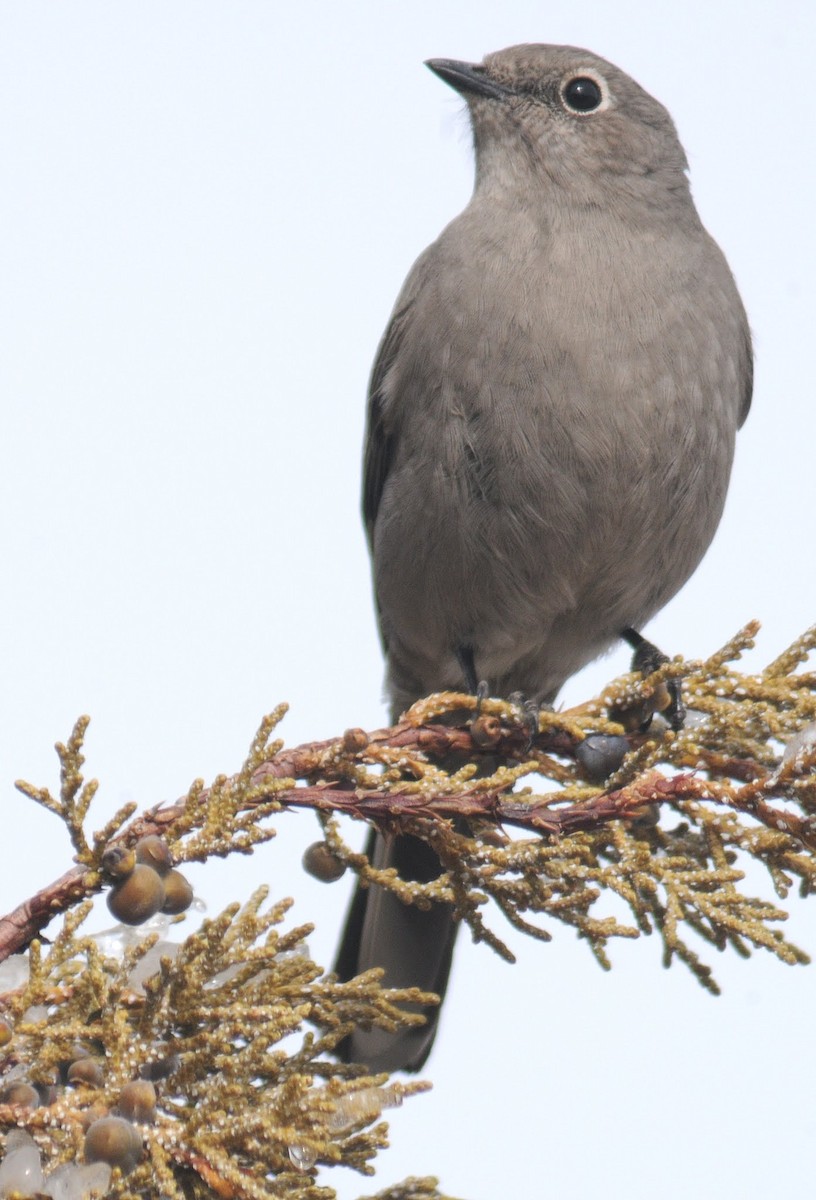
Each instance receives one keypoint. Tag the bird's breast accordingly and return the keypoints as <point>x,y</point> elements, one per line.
<point>565,427</point>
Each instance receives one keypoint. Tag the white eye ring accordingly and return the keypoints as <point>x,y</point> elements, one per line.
<point>584,92</point>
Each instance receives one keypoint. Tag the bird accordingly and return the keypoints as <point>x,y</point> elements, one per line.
<point>551,422</point>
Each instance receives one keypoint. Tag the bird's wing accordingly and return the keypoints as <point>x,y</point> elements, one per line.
<point>380,439</point>
<point>748,388</point>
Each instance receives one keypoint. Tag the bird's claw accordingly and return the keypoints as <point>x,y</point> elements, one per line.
<point>668,699</point>
<point>528,713</point>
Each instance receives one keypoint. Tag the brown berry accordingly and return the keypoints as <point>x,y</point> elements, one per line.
<point>138,897</point>
<point>6,1032</point>
<point>86,1070</point>
<point>118,861</point>
<point>178,894</point>
<point>633,715</point>
<point>94,1112</point>
<point>137,1101</point>
<point>355,740</point>
<point>154,852</point>
<point>319,861</point>
<point>115,1141</point>
<point>20,1093</point>
<point>486,731</point>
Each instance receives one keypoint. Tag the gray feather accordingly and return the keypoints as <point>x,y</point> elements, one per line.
<point>552,411</point>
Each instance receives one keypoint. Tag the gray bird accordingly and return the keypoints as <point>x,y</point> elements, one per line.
<point>551,426</point>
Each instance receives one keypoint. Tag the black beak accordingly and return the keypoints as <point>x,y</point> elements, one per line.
<point>466,77</point>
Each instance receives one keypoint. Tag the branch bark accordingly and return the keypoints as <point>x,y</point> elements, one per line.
<point>311,762</point>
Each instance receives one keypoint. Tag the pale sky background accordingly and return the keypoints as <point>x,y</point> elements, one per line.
<point>206,212</point>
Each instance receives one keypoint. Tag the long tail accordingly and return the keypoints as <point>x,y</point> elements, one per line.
<point>413,947</point>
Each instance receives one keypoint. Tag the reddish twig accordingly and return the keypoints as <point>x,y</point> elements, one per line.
<point>313,762</point>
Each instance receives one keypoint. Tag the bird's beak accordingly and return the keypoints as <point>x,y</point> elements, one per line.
<point>466,77</point>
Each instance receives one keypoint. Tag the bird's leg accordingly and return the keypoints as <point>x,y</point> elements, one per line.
<point>475,686</point>
<point>648,658</point>
<point>479,688</point>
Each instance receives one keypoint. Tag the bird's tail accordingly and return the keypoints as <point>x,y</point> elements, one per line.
<point>413,947</point>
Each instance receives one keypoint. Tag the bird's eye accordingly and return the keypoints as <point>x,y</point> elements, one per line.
<point>582,94</point>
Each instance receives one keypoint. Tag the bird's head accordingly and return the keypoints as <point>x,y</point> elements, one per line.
<point>567,115</point>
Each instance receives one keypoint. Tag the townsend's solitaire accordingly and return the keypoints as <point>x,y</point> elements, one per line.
<point>551,426</point>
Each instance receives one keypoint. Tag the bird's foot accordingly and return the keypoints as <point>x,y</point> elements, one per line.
<point>485,730</point>
<point>667,699</point>
<point>475,686</point>
<point>528,712</point>
<point>482,726</point>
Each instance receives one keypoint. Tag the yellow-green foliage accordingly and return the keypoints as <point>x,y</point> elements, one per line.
<point>237,1025</point>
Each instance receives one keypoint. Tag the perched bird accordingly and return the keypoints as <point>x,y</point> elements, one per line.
<point>551,426</point>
